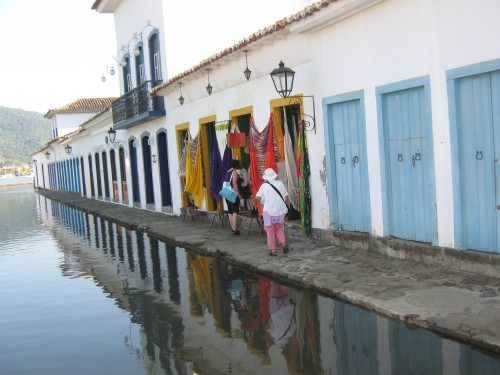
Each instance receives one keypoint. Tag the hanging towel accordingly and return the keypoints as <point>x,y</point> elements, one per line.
<point>255,176</point>
<point>270,151</point>
<point>195,186</point>
<point>189,162</point>
<point>292,180</point>
<point>304,172</point>
<point>278,135</point>
<point>216,170</point>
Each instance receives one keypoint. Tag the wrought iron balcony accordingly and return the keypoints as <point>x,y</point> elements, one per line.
<point>137,106</point>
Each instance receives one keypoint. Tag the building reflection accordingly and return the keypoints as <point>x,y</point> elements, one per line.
<point>201,315</point>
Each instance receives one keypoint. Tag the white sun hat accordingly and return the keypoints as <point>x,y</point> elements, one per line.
<point>269,174</point>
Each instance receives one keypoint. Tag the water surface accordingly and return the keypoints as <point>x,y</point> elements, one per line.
<point>81,295</point>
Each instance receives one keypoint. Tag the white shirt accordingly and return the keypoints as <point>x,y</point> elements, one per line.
<point>273,204</point>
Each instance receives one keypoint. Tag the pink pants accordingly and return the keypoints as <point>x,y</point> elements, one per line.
<point>274,230</point>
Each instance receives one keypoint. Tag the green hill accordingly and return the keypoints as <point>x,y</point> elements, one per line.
<point>21,134</point>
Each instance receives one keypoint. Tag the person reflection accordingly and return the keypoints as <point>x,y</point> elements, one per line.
<point>281,325</point>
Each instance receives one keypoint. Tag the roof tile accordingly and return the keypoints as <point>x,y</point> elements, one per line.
<point>82,105</point>
<point>277,26</point>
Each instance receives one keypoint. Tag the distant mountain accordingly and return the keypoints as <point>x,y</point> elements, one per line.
<point>21,134</point>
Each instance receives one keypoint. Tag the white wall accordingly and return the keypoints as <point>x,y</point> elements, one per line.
<point>69,122</point>
<point>391,41</point>
<point>402,39</point>
<point>132,17</point>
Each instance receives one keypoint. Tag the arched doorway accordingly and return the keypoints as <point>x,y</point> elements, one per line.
<point>84,185</point>
<point>105,170</point>
<point>91,173</point>
<point>148,170</point>
<point>114,178</point>
<point>98,174</point>
<point>133,167</point>
<point>166,192</point>
<point>123,175</point>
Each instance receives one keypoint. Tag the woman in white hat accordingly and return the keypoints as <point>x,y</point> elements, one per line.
<point>273,195</point>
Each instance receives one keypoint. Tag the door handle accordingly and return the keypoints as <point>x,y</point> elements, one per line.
<point>355,159</point>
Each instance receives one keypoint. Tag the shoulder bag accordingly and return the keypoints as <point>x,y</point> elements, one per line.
<point>227,190</point>
<point>277,191</point>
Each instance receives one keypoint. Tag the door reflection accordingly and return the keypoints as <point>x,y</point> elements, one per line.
<point>201,314</point>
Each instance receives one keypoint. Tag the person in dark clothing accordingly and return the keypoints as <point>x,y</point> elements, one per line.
<point>234,208</point>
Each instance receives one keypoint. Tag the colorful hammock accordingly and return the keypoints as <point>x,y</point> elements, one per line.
<point>216,168</point>
<point>194,185</point>
<point>270,149</point>
<point>303,173</point>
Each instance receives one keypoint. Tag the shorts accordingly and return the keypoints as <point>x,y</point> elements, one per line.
<point>233,208</point>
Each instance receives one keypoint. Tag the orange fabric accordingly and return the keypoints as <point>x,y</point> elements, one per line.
<point>270,155</point>
<point>255,176</point>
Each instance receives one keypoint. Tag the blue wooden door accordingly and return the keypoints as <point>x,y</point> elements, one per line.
<point>351,196</point>
<point>478,133</point>
<point>409,164</point>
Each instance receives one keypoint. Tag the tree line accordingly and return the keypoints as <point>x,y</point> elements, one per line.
<point>21,134</point>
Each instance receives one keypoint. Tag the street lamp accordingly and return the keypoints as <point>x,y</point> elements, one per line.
<point>112,134</point>
<point>68,149</point>
<point>283,79</point>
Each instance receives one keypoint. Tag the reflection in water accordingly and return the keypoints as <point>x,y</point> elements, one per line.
<point>200,315</point>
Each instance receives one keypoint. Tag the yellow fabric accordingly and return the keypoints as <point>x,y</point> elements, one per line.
<point>201,267</point>
<point>195,184</point>
<point>236,151</point>
<point>189,163</point>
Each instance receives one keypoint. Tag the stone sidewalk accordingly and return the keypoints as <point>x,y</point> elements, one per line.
<point>458,304</point>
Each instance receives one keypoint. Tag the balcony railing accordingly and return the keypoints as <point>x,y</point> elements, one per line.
<point>137,106</point>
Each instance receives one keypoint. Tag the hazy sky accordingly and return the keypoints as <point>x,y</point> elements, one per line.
<point>56,51</point>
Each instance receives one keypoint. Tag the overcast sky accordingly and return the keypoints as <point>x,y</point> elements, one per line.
<point>56,51</point>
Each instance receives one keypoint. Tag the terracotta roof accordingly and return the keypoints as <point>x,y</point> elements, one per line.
<point>244,43</point>
<point>82,106</point>
<point>96,4</point>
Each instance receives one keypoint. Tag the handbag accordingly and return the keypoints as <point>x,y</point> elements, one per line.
<point>289,208</point>
<point>227,191</point>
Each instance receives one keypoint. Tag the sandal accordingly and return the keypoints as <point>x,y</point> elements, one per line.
<point>272,253</point>
<point>236,232</point>
<point>286,249</point>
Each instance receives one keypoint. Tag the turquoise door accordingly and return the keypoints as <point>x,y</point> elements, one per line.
<point>409,165</point>
<point>349,196</point>
<point>478,137</point>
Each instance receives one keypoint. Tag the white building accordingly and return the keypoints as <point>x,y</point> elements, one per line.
<point>405,102</point>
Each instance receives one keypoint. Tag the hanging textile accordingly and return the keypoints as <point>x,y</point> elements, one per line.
<point>221,130</point>
<point>236,150</point>
<point>278,134</point>
<point>226,162</point>
<point>270,150</point>
<point>181,172</point>
<point>195,185</point>
<point>255,176</point>
<point>292,179</point>
<point>259,142</point>
<point>189,163</point>
<point>216,169</point>
<point>304,173</point>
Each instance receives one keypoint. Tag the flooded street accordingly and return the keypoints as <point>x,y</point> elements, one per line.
<point>81,295</point>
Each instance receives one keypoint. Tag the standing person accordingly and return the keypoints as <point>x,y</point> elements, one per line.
<point>234,208</point>
<point>274,211</point>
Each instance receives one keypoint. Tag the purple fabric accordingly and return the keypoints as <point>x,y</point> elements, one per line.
<point>216,167</point>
